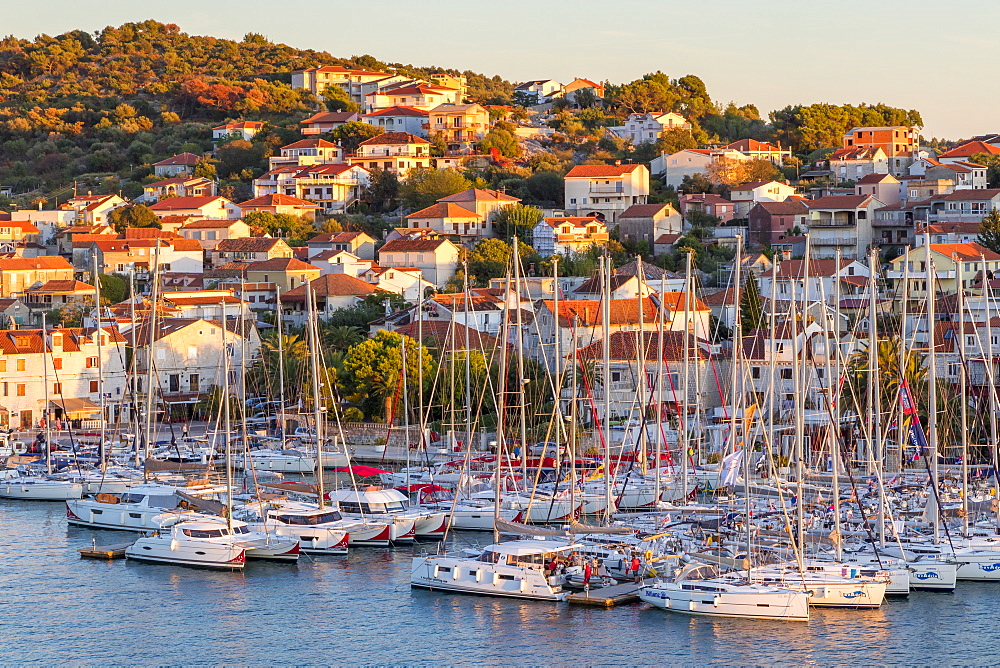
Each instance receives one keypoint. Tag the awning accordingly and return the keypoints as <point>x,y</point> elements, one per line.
<point>75,406</point>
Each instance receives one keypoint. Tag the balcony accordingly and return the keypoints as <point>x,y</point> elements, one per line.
<point>840,240</point>
<point>441,127</point>
<point>833,219</point>
<point>919,275</point>
<point>608,189</point>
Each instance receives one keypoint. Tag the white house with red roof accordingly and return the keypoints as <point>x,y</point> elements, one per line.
<point>436,259</point>
<point>857,162</point>
<point>758,150</point>
<point>333,187</point>
<point>177,186</point>
<point>396,152</point>
<point>92,209</point>
<point>310,151</point>
<point>360,244</point>
<point>570,90</point>
<point>182,164</point>
<point>568,234</point>
<point>647,127</point>
<point>964,152</point>
<point>673,167</point>
<point>539,91</point>
<point>208,233</point>
<point>408,282</point>
<point>245,130</point>
<point>418,95</point>
<point>841,222</point>
<point>400,119</point>
<point>279,204</point>
<point>745,195</point>
<point>354,82</point>
<point>605,191</point>
<point>327,121</point>
<point>218,208</point>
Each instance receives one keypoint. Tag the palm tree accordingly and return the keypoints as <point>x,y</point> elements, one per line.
<point>340,337</point>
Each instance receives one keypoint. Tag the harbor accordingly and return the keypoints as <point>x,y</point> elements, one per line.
<point>350,609</point>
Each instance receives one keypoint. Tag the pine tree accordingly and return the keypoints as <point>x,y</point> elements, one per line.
<point>989,231</point>
<point>751,305</point>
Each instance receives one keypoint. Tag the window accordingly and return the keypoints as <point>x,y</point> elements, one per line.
<point>57,363</point>
<point>5,389</point>
<point>20,367</point>
<point>192,352</point>
<point>56,388</point>
<point>20,389</point>
<point>93,386</point>
<point>572,200</point>
<point>3,365</point>
<point>92,362</point>
<point>755,372</point>
<point>786,374</point>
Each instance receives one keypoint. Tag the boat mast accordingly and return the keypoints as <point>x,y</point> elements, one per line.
<point>522,406</point>
<point>606,354</point>
<point>833,394</point>
<point>874,379</point>
<point>990,369</point>
<point>154,294</point>
<point>659,393</point>
<point>314,369</point>
<point>797,366</point>
<point>501,410</point>
<point>281,366</point>
<point>100,365</point>
<point>685,383</point>
<point>227,420</point>
<point>468,362</point>
<point>962,389</point>
<point>46,412</point>
<point>640,360</point>
<point>931,292</point>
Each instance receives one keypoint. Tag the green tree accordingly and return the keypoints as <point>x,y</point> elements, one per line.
<point>382,190</point>
<point>240,158</point>
<point>337,99</point>
<point>503,141</point>
<point>546,187</point>
<point>351,134</point>
<point>426,186</point>
<point>340,337</point>
<point>989,231</point>
<point>671,141</point>
<point>751,305</point>
<point>114,289</point>
<point>293,228</point>
<point>373,373</point>
<point>137,215</point>
<point>516,220</point>
<point>490,258</point>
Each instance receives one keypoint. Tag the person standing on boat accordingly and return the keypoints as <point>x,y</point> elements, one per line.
<point>636,565</point>
<point>587,572</point>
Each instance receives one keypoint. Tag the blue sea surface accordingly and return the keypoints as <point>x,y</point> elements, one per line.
<point>359,609</point>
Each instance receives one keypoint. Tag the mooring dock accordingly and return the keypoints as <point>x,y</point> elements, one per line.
<point>608,597</point>
<point>116,551</point>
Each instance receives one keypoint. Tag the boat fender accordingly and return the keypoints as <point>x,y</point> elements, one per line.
<point>716,600</point>
<point>648,555</point>
<point>454,572</point>
<point>479,575</point>
<point>524,584</point>
<point>496,579</point>
<point>435,571</point>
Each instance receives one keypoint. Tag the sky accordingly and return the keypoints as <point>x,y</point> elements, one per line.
<point>916,54</point>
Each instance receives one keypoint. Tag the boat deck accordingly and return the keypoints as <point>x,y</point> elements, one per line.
<point>116,551</point>
<point>608,597</point>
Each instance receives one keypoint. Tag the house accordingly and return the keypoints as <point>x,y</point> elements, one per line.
<point>338,262</point>
<point>279,204</point>
<point>538,91</point>
<point>648,222</point>
<point>245,130</point>
<point>400,119</point>
<point>964,152</point>
<point>207,304</point>
<point>435,258</point>
<point>249,249</point>
<point>218,208</point>
<point>745,195</point>
<point>662,379</point>
<point>408,282</point>
<point>573,87</point>
<point>178,186</point>
<point>417,95</point>
<point>789,278</point>
<point>187,354</point>
<point>964,206</point>
<point>19,274</point>
<point>708,204</point>
<point>841,221</point>
<point>327,121</point>
<point>18,232</point>
<point>620,286</point>
<point>898,142</point>
<point>483,201</point>
<point>358,243</point>
<point>332,292</point>
<point>665,243</point>
<point>772,222</point>
<point>882,186</point>
<point>912,266</point>
<point>396,152</point>
<point>66,237</point>
<point>450,337</point>
<point>965,175</point>
<point>673,167</point>
<point>208,233</point>
<point>451,219</point>
<point>285,273</point>
<point>648,127</point>
<point>857,162</point>
<point>567,235</point>
<point>57,294</point>
<point>948,233</point>
<point>140,256</point>
<point>75,369</point>
<point>177,165</point>
<point>460,126</point>
<point>13,313</point>
<point>305,152</point>
<point>758,150</point>
<point>92,209</point>
<point>354,82</point>
<point>333,187</point>
<point>605,191</point>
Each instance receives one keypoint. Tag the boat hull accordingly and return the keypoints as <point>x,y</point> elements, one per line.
<point>784,605</point>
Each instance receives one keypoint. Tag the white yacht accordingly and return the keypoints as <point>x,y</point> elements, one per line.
<point>205,542</point>
<point>325,530</point>
<point>391,505</point>
<point>514,569</point>
<point>697,590</point>
<point>19,485</point>
<point>825,589</point>
<point>283,461</point>
<point>134,510</point>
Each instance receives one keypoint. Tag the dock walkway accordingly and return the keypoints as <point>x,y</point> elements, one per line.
<point>608,597</point>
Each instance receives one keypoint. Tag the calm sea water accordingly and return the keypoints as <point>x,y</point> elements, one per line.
<point>57,608</point>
